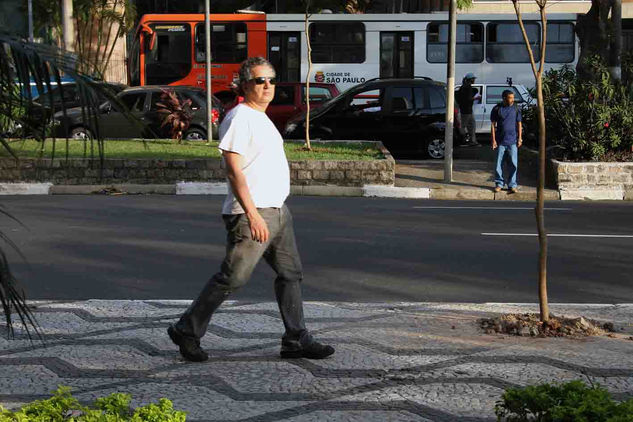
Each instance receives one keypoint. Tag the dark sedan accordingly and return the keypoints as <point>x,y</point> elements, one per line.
<point>142,119</point>
<point>407,115</point>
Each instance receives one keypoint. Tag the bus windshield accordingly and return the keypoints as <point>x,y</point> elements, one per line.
<point>169,59</point>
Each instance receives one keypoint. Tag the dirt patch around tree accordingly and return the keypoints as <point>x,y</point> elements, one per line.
<point>530,325</point>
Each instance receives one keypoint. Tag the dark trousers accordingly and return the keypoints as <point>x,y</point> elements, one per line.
<point>242,255</point>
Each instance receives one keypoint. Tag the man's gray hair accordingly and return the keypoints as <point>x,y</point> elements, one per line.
<point>248,64</point>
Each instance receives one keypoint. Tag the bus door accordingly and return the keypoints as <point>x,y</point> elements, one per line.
<point>284,52</point>
<point>396,54</point>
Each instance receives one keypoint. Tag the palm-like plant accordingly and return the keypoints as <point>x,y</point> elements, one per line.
<point>175,114</point>
<point>23,63</point>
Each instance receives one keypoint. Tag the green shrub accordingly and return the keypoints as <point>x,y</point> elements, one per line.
<point>113,408</point>
<point>573,402</point>
<point>587,119</point>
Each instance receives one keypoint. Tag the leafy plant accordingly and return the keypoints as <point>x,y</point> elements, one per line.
<point>587,119</point>
<point>176,114</point>
<point>572,401</point>
<point>113,408</point>
<point>23,63</point>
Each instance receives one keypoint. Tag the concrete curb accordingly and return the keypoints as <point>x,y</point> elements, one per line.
<point>376,191</point>
<point>593,194</point>
<point>25,188</point>
<point>124,188</point>
<point>380,191</point>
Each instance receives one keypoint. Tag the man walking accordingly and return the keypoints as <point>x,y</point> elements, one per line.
<point>257,221</point>
<point>506,138</point>
<point>466,96</point>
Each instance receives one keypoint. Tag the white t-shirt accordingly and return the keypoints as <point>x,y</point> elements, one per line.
<point>251,134</point>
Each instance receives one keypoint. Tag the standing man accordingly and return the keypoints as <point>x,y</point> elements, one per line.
<point>507,137</point>
<point>466,96</point>
<point>257,221</point>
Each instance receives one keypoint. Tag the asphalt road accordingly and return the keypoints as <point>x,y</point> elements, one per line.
<point>353,249</point>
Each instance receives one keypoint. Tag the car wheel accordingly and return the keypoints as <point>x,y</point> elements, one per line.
<point>195,134</point>
<point>435,148</point>
<point>80,133</point>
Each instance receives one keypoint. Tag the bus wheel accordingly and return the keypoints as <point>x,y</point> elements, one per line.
<point>195,134</point>
<point>435,148</point>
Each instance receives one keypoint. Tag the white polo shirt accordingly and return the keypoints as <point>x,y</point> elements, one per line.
<point>253,135</point>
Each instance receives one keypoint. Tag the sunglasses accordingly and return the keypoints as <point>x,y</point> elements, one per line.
<point>262,79</point>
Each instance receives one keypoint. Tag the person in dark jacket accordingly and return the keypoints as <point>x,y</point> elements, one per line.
<point>466,97</point>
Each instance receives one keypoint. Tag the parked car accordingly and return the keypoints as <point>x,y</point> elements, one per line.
<point>141,102</point>
<point>491,96</point>
<point>71,96</point>
<point>407,115</point>
<point>290,100</point>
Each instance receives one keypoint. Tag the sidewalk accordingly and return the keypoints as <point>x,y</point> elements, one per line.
<point>394,361</point>
<point>473,170</point>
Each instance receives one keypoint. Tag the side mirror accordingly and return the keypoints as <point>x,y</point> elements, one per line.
<point>106,108</point>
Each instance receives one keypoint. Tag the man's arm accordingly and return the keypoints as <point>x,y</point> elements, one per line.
<point>520,132</point>
<point>259,229</point>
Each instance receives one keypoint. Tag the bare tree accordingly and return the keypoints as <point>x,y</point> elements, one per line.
<point>540,199</point>
<point>309,50</point>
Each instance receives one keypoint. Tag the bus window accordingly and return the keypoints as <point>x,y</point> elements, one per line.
<point>470,43</point>
<point>560,43</point>
<point>228,42</point>
<point>170,59</point>
<point>505,42</point>
<point>337,42</point>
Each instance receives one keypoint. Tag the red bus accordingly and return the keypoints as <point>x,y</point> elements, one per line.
<point>169,49</point>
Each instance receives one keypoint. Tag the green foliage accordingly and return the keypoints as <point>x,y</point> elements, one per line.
<point>586,119</point>
<point>573,401</point>
<point>113,408</point>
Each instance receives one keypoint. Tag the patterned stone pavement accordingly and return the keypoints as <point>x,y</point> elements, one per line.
<point>394,361</point>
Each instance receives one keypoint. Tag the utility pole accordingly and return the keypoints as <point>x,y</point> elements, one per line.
<point>68,26</point>
<point>30,12</point>
<point>450,93</point>
<point>207,32</point>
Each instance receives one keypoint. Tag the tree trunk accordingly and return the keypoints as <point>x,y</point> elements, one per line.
<point>309,49</point>
<point>540,205</point>
<point>615,47</point>
<point>600,36</point>
<point>540,191</point>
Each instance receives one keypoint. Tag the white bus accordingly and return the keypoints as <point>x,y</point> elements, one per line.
<point>350,49</point>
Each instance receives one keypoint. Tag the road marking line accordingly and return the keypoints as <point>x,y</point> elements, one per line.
<point>615,236</point>
<point>490,208</point>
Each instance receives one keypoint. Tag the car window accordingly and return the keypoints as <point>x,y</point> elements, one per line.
<point>134,102</point>
<point>437,97</point>
<point>401,99</point>
<point>369,101</point>
<point>317,94</point>
<point>478,88</point>
<point>284,95</point>
<point>495,94</point>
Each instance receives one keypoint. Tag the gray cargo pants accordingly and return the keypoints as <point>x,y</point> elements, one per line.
<point>242,255</point>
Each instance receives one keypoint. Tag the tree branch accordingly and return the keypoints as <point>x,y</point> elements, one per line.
<point>517,9</point>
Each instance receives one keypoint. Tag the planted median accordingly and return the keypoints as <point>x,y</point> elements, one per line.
<point>76,162</point>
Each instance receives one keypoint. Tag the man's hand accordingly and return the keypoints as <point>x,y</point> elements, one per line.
<point>494,144</point>
<point>520,142</point>
<point>259,228</point>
